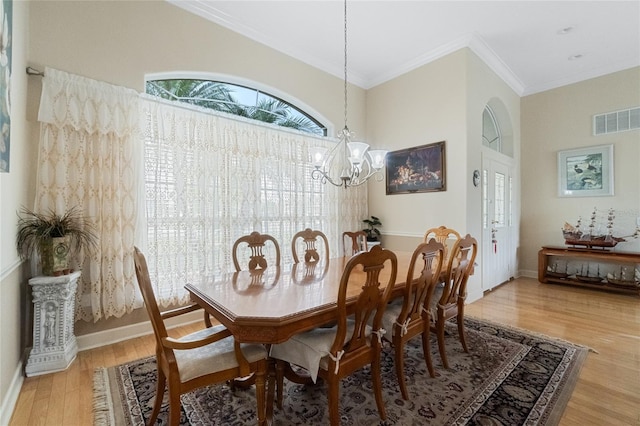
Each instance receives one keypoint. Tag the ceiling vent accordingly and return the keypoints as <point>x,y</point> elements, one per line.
<point>617,121</point>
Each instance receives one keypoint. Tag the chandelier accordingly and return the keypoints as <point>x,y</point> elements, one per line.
<point>351,163</point>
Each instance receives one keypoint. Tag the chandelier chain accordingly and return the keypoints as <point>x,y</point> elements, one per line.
<point>345,64</point>
<point>353,161</point>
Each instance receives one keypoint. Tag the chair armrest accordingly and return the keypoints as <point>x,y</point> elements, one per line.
<point>180,311</point>
<point>170,342</point>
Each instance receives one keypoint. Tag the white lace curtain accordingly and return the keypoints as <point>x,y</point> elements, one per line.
<point>211,179</point>
<point>88,157</point>
<point>204,180</point>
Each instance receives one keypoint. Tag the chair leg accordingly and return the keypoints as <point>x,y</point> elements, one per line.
<point>377,385</point>
<point>460,320</point>
<point>441,347</point>
<point>280,366</point>
<point>333,385</point>
<point>426,349</point>
<point>174,406</point>
<point>160,385</point>
<point>271,380</point>
<point>399,354</point>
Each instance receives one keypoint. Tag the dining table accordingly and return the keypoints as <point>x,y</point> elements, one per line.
<point>273,304</point>
<point>270,305</point>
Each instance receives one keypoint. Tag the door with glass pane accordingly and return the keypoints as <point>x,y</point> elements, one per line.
<point>497,221</point>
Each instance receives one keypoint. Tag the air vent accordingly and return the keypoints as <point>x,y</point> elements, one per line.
<point>617,121</point>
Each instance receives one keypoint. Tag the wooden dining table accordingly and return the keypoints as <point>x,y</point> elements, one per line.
<point>269,306</point>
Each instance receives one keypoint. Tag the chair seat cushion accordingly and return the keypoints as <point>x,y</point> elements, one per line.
<point>217,356</point>
<point>390,316</point>
<point>308,349</point>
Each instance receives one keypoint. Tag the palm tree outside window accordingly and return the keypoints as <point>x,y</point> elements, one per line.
<point>237,100</point>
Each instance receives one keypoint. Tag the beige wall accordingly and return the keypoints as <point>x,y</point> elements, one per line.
<point>423,106</point>
<point>14,193</point>
<point>561,119</point>
<point>443,100</point>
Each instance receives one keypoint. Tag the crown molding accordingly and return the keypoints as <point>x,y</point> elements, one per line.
<point>577,78</point>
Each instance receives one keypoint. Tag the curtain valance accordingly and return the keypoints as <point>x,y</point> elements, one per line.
<point>88,105</point>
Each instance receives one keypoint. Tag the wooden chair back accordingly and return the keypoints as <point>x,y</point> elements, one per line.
<point>363,271</point>
<point>445,236</point>
<point>307,240</point>
<point>423,275</point>
<point>148,295</point>
<point>354,242</point>
<point>459,267</point>
<point>256,242</point>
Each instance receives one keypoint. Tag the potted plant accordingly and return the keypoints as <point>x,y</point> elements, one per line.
<point>54,236</point>
<point>373,233</point>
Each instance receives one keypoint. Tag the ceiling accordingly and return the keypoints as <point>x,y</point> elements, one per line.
<point>532,45</point>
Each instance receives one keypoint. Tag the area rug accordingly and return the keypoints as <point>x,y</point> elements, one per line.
<point>509,377</point>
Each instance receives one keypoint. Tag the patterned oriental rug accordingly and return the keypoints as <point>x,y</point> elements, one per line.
<point>509,377</point>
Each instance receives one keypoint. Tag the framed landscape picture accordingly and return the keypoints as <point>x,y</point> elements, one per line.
<point>418,169</point>
<point>586,172</point>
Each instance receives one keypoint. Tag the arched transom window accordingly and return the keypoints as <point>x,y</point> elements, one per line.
<point>491,136</point>
<point>237,100</point>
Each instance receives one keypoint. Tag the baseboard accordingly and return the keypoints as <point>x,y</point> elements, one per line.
<point>11,398</point>
<point>528,273</point>
<point>115,335</point>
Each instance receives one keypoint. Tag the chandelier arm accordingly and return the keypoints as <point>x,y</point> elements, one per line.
<point>364,177</point>
<point>324,177</point>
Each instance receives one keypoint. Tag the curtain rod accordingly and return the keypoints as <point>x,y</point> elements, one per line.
<point>33,71</point>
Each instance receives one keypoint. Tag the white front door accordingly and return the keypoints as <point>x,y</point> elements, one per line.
<point>497,220</point>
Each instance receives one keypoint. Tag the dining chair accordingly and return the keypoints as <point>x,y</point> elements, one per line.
<point>205,357</point>
<point>408,316</point>
<point>454,292</point>
<point>256,242</point>
<point>445,236</point>
<point>354,242</point>
<point>307,240</point>
<point>336,352</point>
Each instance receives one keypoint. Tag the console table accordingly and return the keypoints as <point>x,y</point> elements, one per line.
<point>624,261</point>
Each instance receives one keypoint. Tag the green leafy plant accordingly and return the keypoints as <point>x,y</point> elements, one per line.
<point>36,229</point>
<point>373,233</point>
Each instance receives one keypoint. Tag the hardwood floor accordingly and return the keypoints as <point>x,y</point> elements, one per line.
<point>607,392</point>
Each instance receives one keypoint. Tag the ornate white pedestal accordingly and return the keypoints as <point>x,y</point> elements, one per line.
<point>54,343</point>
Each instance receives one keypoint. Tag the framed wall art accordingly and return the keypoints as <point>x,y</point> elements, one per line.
<point>418,169</point>
<point>586,172</point>
<point>6,22</point>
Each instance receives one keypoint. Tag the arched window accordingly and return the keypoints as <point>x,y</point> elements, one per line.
<point>237,100</point>
<point>491,136</point>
